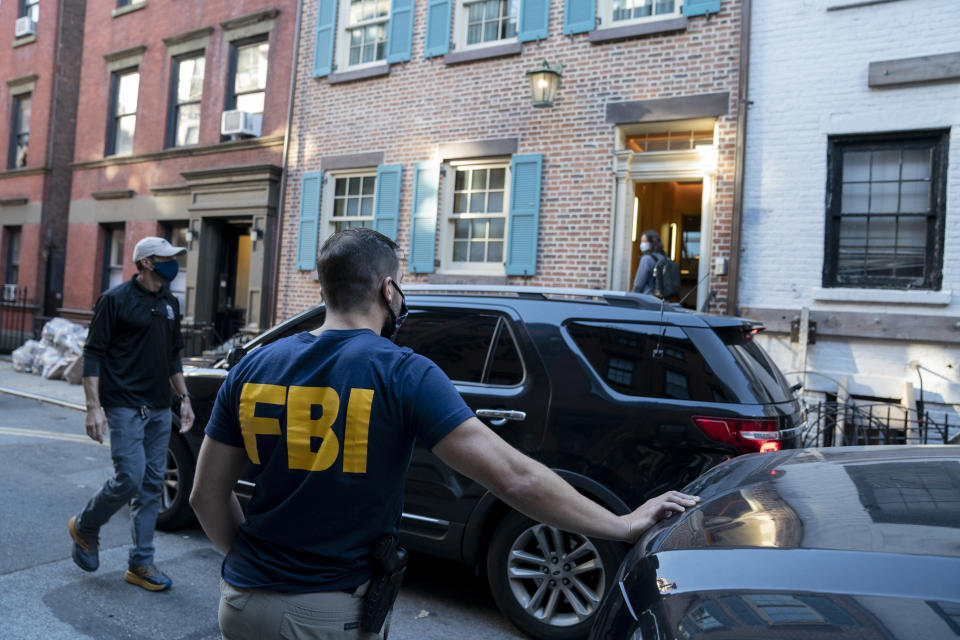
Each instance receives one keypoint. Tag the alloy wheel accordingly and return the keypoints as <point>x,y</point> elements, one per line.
<point>557,577</point>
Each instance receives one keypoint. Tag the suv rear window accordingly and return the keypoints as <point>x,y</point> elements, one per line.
<point>622,354</point>
<point>765,380</point>
<point>459,343</point>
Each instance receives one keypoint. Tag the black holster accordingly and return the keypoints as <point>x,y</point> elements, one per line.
<point>390,563</point>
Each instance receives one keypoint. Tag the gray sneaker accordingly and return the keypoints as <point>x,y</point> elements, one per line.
<point>86,548</point>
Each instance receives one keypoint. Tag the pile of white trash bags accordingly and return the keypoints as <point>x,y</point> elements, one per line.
<point>58,355</point>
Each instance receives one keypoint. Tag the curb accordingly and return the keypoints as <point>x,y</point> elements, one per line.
<point>39,398</point>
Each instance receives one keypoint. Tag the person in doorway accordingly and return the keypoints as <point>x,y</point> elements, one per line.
<point>130,361</point>
<point>327,420</point>
<point>651,252</point>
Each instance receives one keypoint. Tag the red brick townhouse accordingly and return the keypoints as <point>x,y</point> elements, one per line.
<point>416,118</point>
<point>183,110</point>
<point>40,45</point>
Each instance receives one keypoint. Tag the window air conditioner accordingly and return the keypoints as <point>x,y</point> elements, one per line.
<point>25,26</point>
<point>9,292</point>
<point>239,123</point>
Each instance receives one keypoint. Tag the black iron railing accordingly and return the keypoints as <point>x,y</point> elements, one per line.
<point>15,318</point>
<point>837,424</point>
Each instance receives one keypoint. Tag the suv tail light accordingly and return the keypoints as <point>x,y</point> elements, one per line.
<point>748,435</point>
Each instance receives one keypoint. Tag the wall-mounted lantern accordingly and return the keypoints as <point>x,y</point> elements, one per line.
<point>544,83</point>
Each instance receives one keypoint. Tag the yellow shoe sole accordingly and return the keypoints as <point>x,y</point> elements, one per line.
<point>133,578</point>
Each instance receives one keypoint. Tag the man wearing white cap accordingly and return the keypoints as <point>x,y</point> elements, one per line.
<point>130,361</point>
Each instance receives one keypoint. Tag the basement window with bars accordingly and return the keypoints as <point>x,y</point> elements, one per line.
<point>886,211</point>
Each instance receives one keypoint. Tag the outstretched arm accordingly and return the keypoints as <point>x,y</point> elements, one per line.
<point>533,489</point>
<point>218,468</point>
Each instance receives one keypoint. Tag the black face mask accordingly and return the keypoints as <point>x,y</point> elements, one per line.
<point>391,327</point>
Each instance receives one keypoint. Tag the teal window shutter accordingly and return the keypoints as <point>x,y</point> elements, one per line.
<point>400,31</point>
<point>423,226</point>
<point>323,49</point>
<point>387,208</point>
<point>579,16</point>
<point>524,214</point>
<point>438,28</point>
<point>309,226</point>
<point>700,7</point>
<point>534,15</point>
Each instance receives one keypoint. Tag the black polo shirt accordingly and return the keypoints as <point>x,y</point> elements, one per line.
<point>134,346</point>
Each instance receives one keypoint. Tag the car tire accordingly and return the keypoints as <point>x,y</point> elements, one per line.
<point>547,607</point>
<point>175,511</point>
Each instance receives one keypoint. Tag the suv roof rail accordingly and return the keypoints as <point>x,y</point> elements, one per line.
<point>618,298</point>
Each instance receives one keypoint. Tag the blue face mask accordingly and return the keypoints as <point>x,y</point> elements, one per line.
<point>392,326</point>
<point>166,270</point>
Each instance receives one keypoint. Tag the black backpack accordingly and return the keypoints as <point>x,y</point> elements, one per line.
<point>666,278</point>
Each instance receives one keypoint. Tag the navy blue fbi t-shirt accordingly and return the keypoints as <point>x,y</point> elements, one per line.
<point>328,423</point>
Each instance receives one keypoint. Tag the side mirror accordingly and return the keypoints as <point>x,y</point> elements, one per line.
<point>234,356</point>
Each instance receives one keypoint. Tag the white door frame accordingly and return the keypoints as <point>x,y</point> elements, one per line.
<point>630,168</point>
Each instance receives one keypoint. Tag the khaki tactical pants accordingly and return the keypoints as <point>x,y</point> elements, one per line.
<point>252,614</point>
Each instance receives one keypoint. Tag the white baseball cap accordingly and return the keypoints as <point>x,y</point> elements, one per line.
<point>154,246</point>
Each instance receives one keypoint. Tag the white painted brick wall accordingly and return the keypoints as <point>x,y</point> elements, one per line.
<point>808,80</point>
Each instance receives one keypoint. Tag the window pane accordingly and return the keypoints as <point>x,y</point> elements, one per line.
<point>460,251</point>
<point>251,102</point>
<point>125,129</point>
<point>479,179</point>
<point>914,197</point>
<point>251,68</point>
<point>916,164</point>
<point>460,203</point>
<point>496,227</point>
<point>854,198</point>
<point>886,165</point>
<point>495,252</point>
<point>461,229</point>
<point>881,245</point>
<point>856,166</point>
<point>477,251</point>
<point>852,245</point>
<point>128,86</point>
<point>492,9</point>
<point>25,106</point>
<point>369,182</point>
<point>478,229</point>
<point>496,178</point>
<point>352,207</point>
<point>466,340</point>
<point>883,197</point>
<point>353,186</point>
<point>459,181</point>
<point>474,34</point>
<point>911,247</point>
<point>190,80</point>
<point>366,207</point>
<point>476,202</point>
<point>188,124</point>
<point>495,202</point>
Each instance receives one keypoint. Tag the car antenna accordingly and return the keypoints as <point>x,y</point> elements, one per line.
<point>658,350</point>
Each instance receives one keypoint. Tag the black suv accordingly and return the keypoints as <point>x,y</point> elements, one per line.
<point>622,396</point>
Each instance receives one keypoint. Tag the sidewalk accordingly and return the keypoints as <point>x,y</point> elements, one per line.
<point>28,385</point>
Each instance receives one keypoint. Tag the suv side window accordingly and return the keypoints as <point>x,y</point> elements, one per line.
<point>622,355</point>
<point>459,343</point>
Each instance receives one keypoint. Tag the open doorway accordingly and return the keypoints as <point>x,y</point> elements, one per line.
<point>672,209</point>
<point>232,283</point>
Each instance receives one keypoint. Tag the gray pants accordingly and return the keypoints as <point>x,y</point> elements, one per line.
<point>251,614</point>
<point>138,446</point>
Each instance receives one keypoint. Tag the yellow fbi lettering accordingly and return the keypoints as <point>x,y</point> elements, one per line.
<point>302,427</point>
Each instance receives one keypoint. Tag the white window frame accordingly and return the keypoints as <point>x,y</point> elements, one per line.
<point>115,260</point>
<point>447,218</point>
<point>605,13</point>
<point>460,27</point>
<point>344,28</point>
<point>329,197</point>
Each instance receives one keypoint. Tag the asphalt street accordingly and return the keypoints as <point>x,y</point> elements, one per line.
<point>49,468</point>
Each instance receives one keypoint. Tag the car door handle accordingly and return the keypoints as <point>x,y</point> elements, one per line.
<point>499,417</point>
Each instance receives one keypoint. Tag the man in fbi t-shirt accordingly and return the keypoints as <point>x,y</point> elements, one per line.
<point>328,420</point>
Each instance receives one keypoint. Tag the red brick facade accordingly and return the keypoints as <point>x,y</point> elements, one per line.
<point>425,103</point>
<point>34,198</point>
<point>156,185</point>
